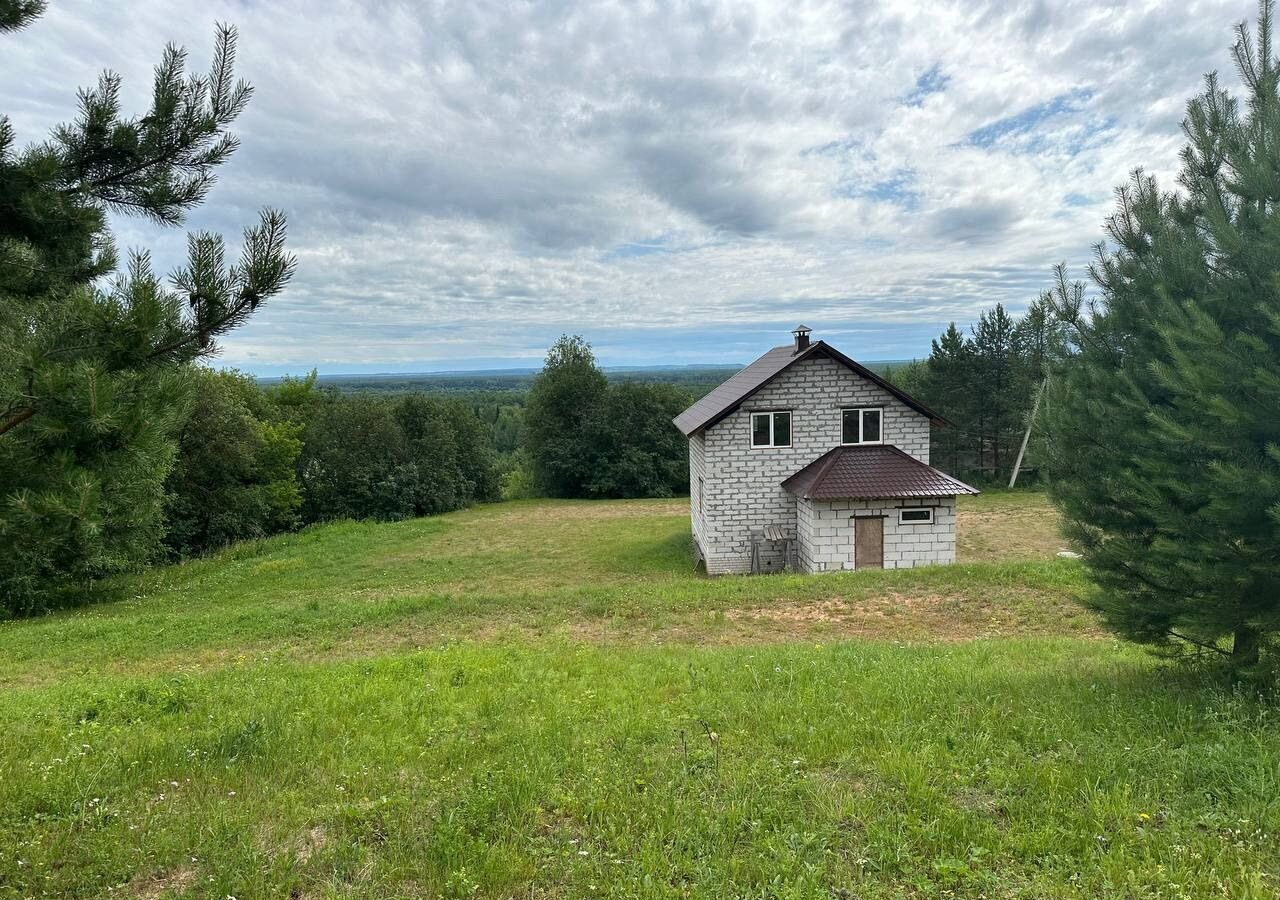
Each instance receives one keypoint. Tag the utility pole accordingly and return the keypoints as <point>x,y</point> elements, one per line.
<point>1035,408</point>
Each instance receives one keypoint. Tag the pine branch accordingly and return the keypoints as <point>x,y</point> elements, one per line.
<point>17,419</point>
<point>18,14</point>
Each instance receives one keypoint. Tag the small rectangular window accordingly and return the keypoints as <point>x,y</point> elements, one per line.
<point>922,516</point>
<point>860,426</point>
<point>771,429</point>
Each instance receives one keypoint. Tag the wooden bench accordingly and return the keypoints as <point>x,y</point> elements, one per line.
<point>773,534</point>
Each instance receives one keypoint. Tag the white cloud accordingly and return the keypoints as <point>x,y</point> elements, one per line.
<point>653,174</point>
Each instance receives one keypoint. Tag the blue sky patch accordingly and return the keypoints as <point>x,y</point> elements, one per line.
<point>1027,120</point>
<point>933,81</point>
<point>898,189</point>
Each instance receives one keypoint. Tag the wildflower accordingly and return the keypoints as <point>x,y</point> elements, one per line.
<point>713,737</point>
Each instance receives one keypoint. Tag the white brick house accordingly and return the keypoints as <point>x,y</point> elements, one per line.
<point>808,443</point>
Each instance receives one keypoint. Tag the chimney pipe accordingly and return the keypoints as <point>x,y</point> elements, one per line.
<point>802,333</point>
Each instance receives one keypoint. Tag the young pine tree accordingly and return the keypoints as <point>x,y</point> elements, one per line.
<point>1164,430</point>
<point>92,372</point>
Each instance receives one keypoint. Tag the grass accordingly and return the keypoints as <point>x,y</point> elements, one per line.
<point>541,699</point>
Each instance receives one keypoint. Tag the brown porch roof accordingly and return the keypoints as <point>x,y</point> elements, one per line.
<point>871,472</point>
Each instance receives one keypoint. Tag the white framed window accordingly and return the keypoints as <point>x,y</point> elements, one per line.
<point>921,515</point>
<point>863,425</point>
<point>771,429</point>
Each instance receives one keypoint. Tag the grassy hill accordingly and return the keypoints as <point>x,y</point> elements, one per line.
<point>540,699</point>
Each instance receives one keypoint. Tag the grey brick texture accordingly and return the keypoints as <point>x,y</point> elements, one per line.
<point>736,490</point>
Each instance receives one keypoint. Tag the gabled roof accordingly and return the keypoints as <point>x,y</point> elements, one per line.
<point>725,398</point>
<point>871,472</point>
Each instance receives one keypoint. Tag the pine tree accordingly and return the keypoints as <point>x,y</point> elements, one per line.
<point>993,349</point>
<point>92,372</point>
<point>1164,429</point>
<point>948,387</point>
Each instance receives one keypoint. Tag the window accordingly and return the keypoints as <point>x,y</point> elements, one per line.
<point>701,489</point>
<point>920,516</point>
<point>861,426</point>
<point>771,429</point>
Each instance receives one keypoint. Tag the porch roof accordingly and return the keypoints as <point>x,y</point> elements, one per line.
<point>871,472</point>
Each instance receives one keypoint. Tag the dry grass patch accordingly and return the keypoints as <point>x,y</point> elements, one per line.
<point>918,618</point>
<point>1007,526</point>
<point>169,883</point>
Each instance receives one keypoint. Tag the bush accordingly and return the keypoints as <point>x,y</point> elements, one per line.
<point>638,452</point>
<point>367,457</point>
<point>586,437</point>
<point>234,474</point>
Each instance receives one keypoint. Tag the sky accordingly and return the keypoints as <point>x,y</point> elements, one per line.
<point>680,183</point>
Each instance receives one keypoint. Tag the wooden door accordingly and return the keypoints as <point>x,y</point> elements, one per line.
<point>868,543</point>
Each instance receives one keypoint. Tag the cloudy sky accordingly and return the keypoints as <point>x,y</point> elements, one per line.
<point>678,182</point>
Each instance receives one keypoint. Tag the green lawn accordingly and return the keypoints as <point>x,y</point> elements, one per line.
<point>541,699</point>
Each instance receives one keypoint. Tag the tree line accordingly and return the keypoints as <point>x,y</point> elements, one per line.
<point>985,382</point>
<point>252,461</point>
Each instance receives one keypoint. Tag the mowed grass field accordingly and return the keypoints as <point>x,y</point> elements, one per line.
<point>542,700</point>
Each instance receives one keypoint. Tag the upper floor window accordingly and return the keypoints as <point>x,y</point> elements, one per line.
<point>771,429</point>
<point>861,426</point>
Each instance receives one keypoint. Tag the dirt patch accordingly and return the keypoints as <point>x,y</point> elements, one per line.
<point>160,884</point>
<point>837,610</point>
<point>309,844</point>
<point>913,617</point>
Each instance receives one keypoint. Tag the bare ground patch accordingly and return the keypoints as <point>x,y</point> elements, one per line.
<point>917,617</point>
<point>168,883</point>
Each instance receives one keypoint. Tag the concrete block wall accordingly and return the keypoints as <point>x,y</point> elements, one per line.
<point>742,489</point>
<point>830,532</point>
<point>697,478</point>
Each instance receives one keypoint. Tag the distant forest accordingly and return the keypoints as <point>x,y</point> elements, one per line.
<point>498,398</point>
<point>697,380</point>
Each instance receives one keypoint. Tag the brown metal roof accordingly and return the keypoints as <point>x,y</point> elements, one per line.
<point>725,398</point>
<point>871,472</point>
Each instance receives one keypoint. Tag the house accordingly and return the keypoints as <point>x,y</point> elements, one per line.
<point>808,458</point>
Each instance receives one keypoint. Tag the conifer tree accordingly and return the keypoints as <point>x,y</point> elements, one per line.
<point>993,349</point>
<point>949,387</point>
<point>1164,429</point>
<point>92,365</point>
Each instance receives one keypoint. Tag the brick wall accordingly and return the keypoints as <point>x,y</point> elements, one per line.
<point>830,532</point>
<point>697,476</point>
<point>742,486</point>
